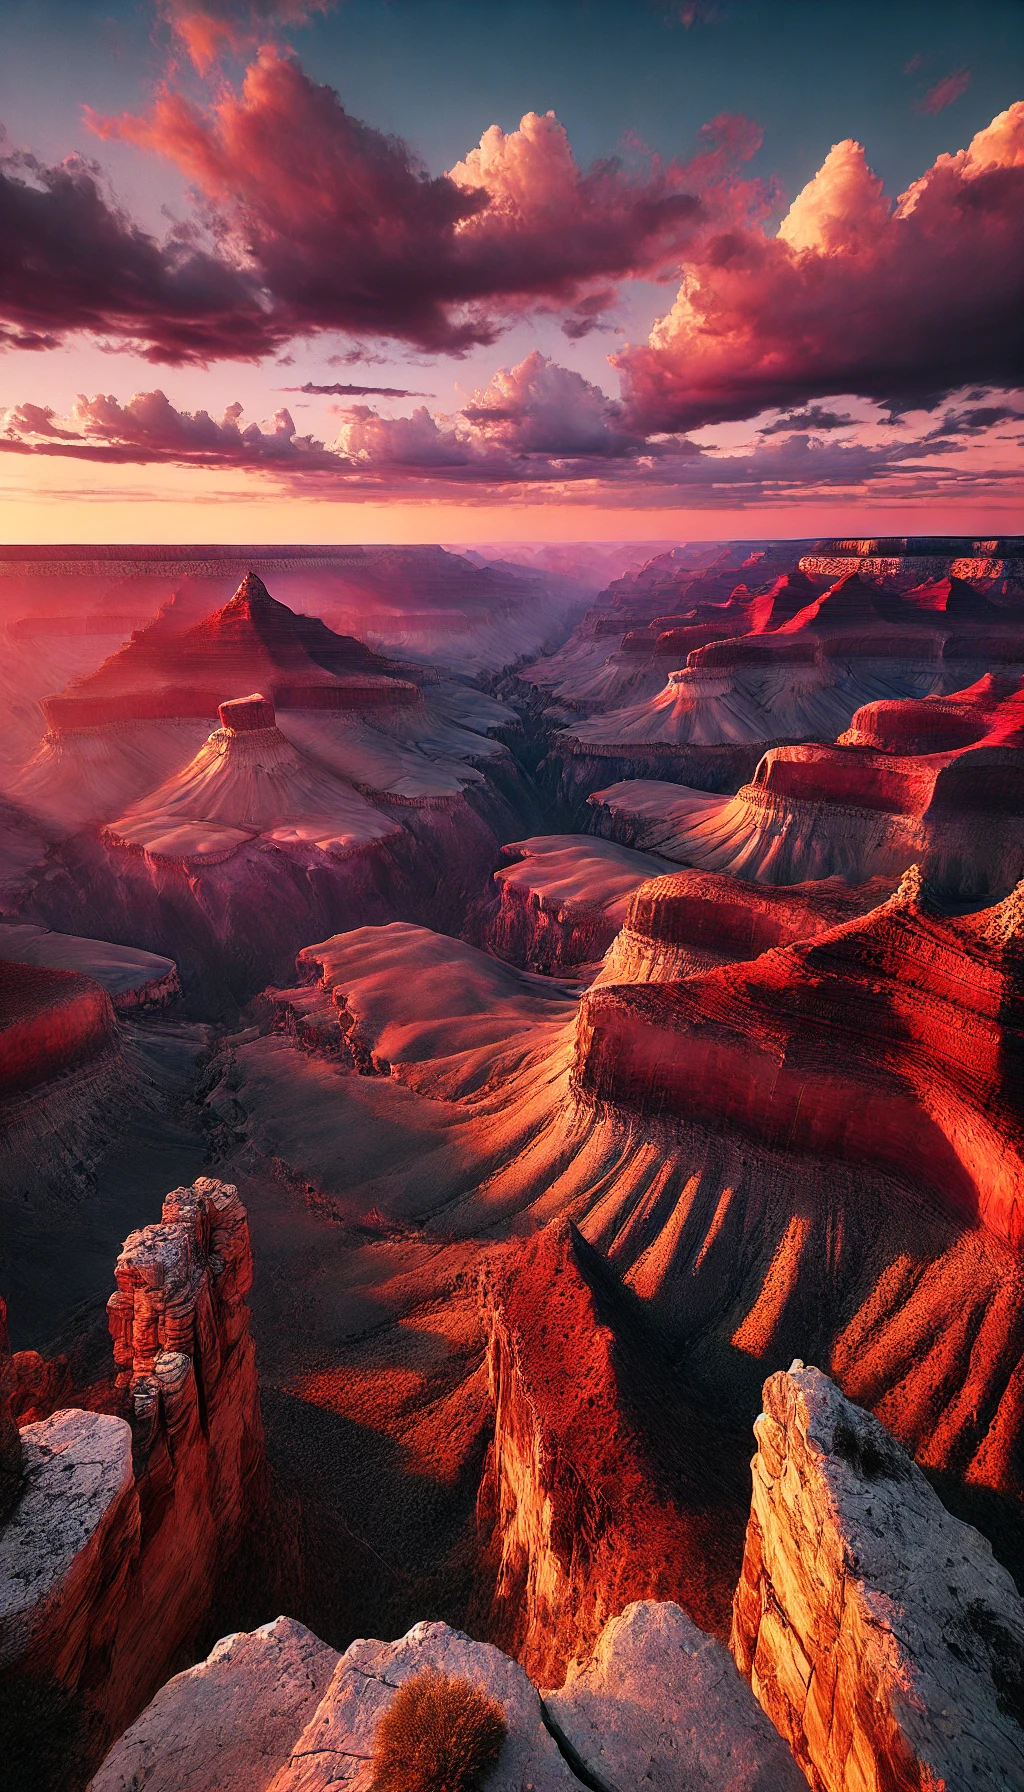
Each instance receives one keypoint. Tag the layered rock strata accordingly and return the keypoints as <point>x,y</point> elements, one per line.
<point>877,1631</point>
<point>564,899</point>
<point>136,982</point>
<point>686,921</point>
<point>127,1520</point>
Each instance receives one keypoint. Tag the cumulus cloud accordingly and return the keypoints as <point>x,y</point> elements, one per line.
<point>945,91</point>
<point>537,430</point>
<point>343,229</point>
<point>896,302</point>
<point>73,260</point>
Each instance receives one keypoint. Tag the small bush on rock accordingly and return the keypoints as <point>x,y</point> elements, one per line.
<point>437,1735</point>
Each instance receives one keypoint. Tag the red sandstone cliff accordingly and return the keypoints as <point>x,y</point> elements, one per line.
<point>128,1519</point>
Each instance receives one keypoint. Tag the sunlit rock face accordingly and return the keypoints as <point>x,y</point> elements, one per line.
<point>687,921</point>
<point>316,1728</point>
<point>659,1704</point>
<point>786,672</point>
<point>129,1514</point>
<point>588,1501</point>
<point>54,1021</point>
<point>877,1631</point>
<point>756,1048</point>
<point>941,780</point>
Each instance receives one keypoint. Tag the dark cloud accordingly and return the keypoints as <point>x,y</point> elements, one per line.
<point>72,260</point>
<point>945,91</point>
<point>814,417</point>
<point>976,420</point>
<point>337,391</point>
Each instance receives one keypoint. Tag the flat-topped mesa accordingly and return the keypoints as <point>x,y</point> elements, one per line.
<point>252,641</point>
<point>892,1041</point>
<point>247,715</point>
<point>562,903</point>
<point>816,810</point>
<point>991,709</point>
<point>877,1631</point>
<point>54,1021</point>
<point>135,981</point>
<point>122,1533</point>
<point>248,781</point>
<point>687,921</point>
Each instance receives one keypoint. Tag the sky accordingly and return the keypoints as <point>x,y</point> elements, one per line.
<point>413,270</point>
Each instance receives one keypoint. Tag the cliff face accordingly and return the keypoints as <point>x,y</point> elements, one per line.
<point>127,1520</point>
<point>579,1511</point>
<point>876,1630</point>
<point>564,899</point>
<point>756,1049</point>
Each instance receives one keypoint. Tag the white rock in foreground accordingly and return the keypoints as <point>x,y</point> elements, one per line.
<point>231,1722</point>
<point>661,1705</point>
<point>878,1631</point>
<point>336,1748</point>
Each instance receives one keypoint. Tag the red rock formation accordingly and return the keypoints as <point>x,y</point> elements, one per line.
<point>52,1021</point>
<point>579,1511</point>
<point>10,1440</point>
<point>924,1085</point>
<point>564,899</point>
<point>251,643</point>
<point>877,1631</point>
<point>162,1507</point>
<point>688,921</point>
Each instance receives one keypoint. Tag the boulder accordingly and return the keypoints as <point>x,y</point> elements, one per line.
<point>661,1705</point>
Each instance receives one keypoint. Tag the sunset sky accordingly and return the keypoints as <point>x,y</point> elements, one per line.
<point>414,270</point>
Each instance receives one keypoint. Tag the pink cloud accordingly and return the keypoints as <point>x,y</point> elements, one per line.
<point>853,295</point>
<point>945,91</point>
<point>342,229</point>
<point>210,28</point>
<point>538,431</point>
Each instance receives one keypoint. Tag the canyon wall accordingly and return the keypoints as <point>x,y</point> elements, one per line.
<point>129,1513</point>
<point>878,1633</point>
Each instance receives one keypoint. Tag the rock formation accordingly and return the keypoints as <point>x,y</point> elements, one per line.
<point>136,982</point>
<point>660,1705</point>
<point>877,1631</point>
<point>687,921</point>
<point>128,1518</point>
<point>564,899</point>
<point>277,1672</point>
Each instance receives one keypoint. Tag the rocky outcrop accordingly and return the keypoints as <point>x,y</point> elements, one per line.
<point>11,1454</point>
<point>230,1723</point>
<point>877,1631</point>
<point>136,982</point>
<point>687,921</point>
<point>128,1520</point>
<point>659,1704</point>
<point>844,810</point>
<point>236,1722</point>
<point>581,1511</point>
<point>755,1048</point>
<point>563,900</point>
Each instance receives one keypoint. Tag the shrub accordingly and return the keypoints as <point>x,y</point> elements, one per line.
<point>437,1735</point>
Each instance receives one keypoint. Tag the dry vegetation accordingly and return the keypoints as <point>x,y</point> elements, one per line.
<point>437,1735</point>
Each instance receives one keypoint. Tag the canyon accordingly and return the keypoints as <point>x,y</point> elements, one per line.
<point>555,1028</point>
